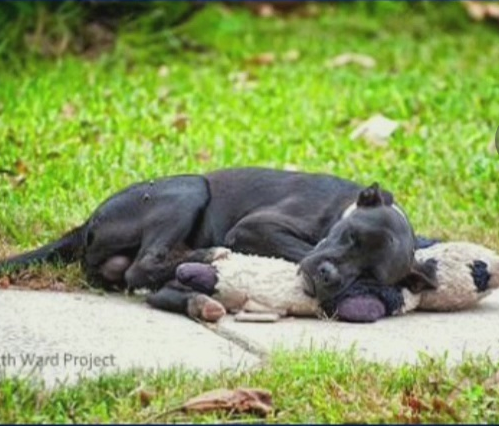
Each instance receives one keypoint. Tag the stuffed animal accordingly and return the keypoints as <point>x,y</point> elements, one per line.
<point>238,283</point>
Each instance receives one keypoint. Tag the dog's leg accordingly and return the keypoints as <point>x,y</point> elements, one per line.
<point>269,234</point>
<point>147,224</point>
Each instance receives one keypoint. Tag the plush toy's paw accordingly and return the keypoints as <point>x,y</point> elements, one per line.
<point>363,308</point>
<point>205,308</point>
<point>199,276</point>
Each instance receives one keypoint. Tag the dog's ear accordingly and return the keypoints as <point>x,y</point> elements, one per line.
<point>423,276</point>
<point>373,196</point>
<point>370,196</point>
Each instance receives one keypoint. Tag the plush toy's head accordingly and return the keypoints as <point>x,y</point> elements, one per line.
<point>466,273</point>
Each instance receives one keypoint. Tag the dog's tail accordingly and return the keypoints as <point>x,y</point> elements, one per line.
<point>67,249</point>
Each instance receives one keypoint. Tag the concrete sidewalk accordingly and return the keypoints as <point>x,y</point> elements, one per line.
<point>396,339</point>
<point>60,336</point>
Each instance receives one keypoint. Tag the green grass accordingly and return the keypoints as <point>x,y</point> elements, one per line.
<point>72,132</point>
<point>435,75</point>
<point>307,387</point>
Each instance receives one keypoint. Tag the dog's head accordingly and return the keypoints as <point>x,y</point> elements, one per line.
<point>372,241</point>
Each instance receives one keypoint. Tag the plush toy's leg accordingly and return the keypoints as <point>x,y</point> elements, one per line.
<point>205,308</point>
<point>198,276</point>
<point>195,305</point>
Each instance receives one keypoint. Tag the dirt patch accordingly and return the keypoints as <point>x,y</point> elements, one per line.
<point>43,277</point>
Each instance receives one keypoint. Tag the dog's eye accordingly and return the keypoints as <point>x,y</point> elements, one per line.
<point>368,275</point>
<point>352,237</point>
<point>159,256</point>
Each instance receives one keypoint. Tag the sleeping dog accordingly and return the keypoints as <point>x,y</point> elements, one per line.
<point>338,231</point>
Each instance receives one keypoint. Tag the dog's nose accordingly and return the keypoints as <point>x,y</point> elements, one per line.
<point>327,272</point>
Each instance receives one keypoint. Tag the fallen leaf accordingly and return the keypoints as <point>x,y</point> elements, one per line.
<point>241,400</point>
<point>203,156</point>
<point>243,80</point>
<point>145,397</point>
<point>17,180</point>
<point>266,58</point>
<point>291,56</point>
<point>493,10</point>
<point>441,406</point>
<point>68,111</point>
<point>492,382</point>
<point>163,71</point>
<point>21,168</point>
<point>180,122</point>
<point>376,130</point>
<point>479,10</point>
<point>351,58</point>
<point>476,10</point>
<point>4,282</point>
<point>265,10</point>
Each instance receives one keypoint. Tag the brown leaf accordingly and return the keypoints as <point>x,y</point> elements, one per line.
<point>441,406</point>
<point>351,58</point>
<point>492,382</point>
<point>21,168</point>
<point>241,400</point>
<point>5,282</point>
<point>203,156</point>
<point>266,58</point>
<point>180,122</point>
<point>146,397</point>
<point>68,111</point>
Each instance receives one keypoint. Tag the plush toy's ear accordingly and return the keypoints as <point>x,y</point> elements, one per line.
<point>423,276</point>
<point>373,196</point>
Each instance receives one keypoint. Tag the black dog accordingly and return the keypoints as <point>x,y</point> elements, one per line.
<point>339,231</point>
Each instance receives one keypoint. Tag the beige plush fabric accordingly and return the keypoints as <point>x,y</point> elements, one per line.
<point>262,284</point>
<point>457,290</point>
